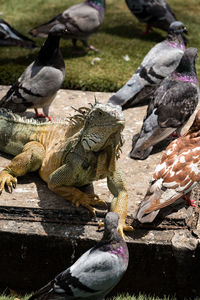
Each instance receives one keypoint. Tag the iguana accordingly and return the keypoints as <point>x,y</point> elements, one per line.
<point>69,155</point>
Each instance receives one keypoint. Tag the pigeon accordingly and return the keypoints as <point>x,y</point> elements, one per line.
<point>81,20</point>
<point>95,273</point>
<point>171,106</point>
<point>159,62</point>
<point>39,83</point>
<point>176,174</point>
<point>156,13</point>
<point>11,37</point>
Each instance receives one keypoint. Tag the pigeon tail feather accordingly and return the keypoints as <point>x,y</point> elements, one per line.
<point>128,91</point>
<point>142,214</point>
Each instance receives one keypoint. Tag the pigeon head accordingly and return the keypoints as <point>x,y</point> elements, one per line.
<point>187,63</point>
<point>177,27</point>
<point>190,55</point>
<point>58,30</point>
<point>111,221</point>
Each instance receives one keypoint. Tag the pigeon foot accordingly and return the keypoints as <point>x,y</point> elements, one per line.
<point>189,202</point>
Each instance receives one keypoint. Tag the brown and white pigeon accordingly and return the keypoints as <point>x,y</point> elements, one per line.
<point>81,20</point>
<point>171,106</point>
<point>39,83</point>
<point>176,174</point>
<point>155,13</point>
<point>11,37</point>
<point>95,273</point>
<point>159,62</point>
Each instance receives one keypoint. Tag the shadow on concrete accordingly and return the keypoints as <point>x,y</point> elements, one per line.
<point>163,221</point>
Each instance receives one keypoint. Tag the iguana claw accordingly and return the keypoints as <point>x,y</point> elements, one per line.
<point>87,200</point>
<point>121,228</point>
<point>8,180</point>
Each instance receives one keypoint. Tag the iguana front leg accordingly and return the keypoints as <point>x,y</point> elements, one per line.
<point>61,183</point>
<point>117,186</point>
<point>29,160</point>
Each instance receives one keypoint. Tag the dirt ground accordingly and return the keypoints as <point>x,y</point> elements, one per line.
<point>32,192</point>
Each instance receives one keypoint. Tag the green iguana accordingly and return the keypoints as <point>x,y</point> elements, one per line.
<point>68,155</point>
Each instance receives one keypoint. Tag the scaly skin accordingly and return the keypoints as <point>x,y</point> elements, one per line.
<point>68,155</point>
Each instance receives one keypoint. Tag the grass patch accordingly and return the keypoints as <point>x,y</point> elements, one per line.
<point>141,297</point>
<point>120,35</point>
<point>4,297</point>
<point>120,297</point>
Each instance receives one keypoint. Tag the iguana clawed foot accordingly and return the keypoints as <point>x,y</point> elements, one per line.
<point>121,227</point>
<point>8,180</point>
<point>87,200</point>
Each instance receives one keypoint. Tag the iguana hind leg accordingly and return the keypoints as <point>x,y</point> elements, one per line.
<point>29,160</point>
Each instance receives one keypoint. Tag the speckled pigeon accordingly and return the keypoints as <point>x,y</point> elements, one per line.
<point>171,106</point>
<point>175,175</point>
<point>95,273</point>
<point>156,13</point>
<point>81,20</point>
<point>159,62</point>
<point>11,37</point>
<point>39,83</point>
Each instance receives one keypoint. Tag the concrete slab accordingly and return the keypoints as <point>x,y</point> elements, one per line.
<point>41,233</point>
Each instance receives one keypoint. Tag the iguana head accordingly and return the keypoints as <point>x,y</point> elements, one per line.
<point>102,128</point>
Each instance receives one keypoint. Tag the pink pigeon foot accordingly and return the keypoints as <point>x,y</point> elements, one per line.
<point>148,29</point>
<point>188,201</point>
<point>93,48</point>
<point>37,115</point>
<point>175,134</point>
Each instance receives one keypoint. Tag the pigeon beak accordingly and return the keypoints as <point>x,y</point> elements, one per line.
<point>185,30</point>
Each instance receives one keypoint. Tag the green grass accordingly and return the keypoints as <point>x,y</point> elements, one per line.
<point>119,35</point>
<point>125,297</point>
<point>143,297</point>
<point>140,297</point>
<point>121,297</point>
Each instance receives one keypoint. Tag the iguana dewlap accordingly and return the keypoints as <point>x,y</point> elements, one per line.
<point>68,155</point>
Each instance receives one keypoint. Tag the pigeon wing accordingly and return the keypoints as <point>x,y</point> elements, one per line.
<point>176,174</point>
<point>81,19</point>
<point>94,272</point>
<point>177,104</point>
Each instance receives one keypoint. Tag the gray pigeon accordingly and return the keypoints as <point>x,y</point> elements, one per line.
<point>171,106</point>
<point>159,62</point>
<point>156,13</point>
<point>81,20</point>
<point>11,37</point>
<point>95,273</point>
<point>39,83</point>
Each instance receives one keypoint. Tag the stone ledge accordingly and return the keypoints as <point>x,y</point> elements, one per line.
<point>41,233</point>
